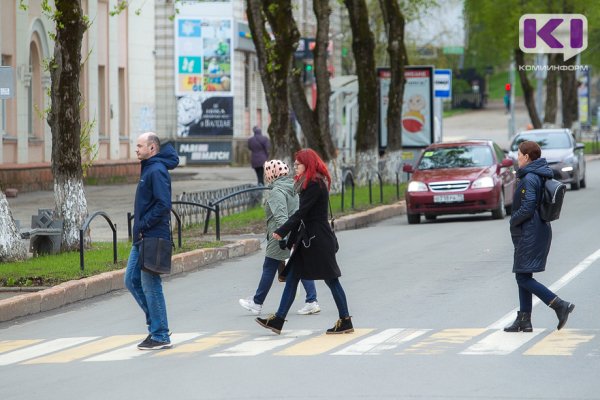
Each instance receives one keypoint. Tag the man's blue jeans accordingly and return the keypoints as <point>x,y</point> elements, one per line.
<point>146,289</point>
<point>291,286</point>
<point>266,281</point>
<point>529,286</point>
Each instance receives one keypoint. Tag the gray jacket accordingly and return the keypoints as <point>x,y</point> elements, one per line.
<point>281,203</point>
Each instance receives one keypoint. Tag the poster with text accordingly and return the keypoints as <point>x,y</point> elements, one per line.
<point>417,107</point>
<point>204,115</point>
<point>203,55</point>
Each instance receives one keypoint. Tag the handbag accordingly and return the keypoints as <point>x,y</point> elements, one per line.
<point>332,225</point>
<point>155,255</point>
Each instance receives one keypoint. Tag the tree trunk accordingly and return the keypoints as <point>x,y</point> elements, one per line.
<point>11,246</point>
<point>363,46</point>
<point>65,123</point>
<point>528,91</point>
<point>568,91</point>
<point>315,123</point>
<point>274,60</point>
<point>551,91</point>
<point>394,24</point>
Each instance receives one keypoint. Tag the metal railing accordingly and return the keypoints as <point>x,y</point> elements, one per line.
<point>347,175</point>
<point>131,216</point>
<point>86,226</point>
<point>380,189</point>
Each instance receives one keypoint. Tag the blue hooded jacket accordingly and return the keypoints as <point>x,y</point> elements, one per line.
<point>152,210</point>
<point>531,235</point>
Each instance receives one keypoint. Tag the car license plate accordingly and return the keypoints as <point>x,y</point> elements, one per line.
<point>449,198</point>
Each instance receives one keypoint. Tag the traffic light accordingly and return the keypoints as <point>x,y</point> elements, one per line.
<point>308,74</point>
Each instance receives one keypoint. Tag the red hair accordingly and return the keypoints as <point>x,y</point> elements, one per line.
<point>313,165</point>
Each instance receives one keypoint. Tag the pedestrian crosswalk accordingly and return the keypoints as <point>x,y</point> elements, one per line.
<point>396,342</point>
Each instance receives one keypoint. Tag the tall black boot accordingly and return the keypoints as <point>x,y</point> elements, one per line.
<point>562,309</point>
<point>521,324</point>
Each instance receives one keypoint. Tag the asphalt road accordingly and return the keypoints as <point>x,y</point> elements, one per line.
<point>428,302</point>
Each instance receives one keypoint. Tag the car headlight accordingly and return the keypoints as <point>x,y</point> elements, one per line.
<point>481,183</point>
<point>567,169</point>
<point>416,186</point>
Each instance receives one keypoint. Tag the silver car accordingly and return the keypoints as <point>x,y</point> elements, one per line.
<point>564,155</point>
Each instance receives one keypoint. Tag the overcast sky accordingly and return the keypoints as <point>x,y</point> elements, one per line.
<point>440,26</point>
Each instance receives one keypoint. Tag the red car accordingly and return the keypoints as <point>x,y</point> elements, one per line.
<point>468,177</point>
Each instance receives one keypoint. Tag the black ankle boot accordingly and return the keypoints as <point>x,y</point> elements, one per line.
<point>272,322</point>
<point>521,324</point>
<point>342,325</point>
<point>562,309</point>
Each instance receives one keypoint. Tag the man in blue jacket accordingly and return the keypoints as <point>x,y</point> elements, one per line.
<point>152,214</point>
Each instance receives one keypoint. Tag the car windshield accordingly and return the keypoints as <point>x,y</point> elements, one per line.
<point>456,157</point>
<point>545,140</point>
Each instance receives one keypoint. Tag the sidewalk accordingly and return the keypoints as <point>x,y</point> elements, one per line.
<point>117,200</point>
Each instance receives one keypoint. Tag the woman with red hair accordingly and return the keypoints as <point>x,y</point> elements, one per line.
<point>312,241</point>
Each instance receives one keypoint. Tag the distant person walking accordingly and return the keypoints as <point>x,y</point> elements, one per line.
<point>259,147</point>
<point>152,219</point>
<point>281,203</point>
<point>314,243</point>
<point>531,237</point>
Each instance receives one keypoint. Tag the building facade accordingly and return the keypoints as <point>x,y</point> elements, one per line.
<point>117,86</point>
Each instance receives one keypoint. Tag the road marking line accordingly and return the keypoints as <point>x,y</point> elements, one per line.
<point>322,343</point>
<point>42,349</point>
<point>501,343</point>
<point>442,341</point>
<point>568,277</point>
<point>10,345</point>
<point>389,339</point>
<point>560,343</point>
<point>130,352</point>
<point>262,344</point>
<point>204,343</point>
<point>86,350</point>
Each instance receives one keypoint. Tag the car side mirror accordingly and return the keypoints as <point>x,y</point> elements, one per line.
<point>408,168</point>
<point>579,146</point>
<point>507,162</point>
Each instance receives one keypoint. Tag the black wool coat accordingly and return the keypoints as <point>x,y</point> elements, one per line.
<point>311,235</point>
<point>531,235</point>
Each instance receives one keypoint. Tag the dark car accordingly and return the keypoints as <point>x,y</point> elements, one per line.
<point>563,153</point>
<point>460,178</point>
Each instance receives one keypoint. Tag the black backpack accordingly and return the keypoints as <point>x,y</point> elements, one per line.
<point>553,194</point>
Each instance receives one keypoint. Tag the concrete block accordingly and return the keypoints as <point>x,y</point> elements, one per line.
<point>19,306</point>
<point>177,263</point>
<point>236,249</point>
<point>74,290</point>
<point>52,298</point>
<point>251,245</point>
<point>221,253</point>
<point>117,279</point>
<point>97,285</point>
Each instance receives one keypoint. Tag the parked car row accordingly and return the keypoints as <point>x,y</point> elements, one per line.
<point>477,176</point>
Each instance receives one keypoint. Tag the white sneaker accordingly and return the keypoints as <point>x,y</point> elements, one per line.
<point>309,308</point>
<point>251,306</point>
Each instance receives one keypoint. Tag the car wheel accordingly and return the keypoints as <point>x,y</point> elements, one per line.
<point>430,217</point>
<point>508,209</point>
<point>582,182</point>
<point>500,211</point>
<point>413,218</point>
<point>575,183</point>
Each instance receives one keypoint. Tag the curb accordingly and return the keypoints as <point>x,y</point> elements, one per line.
<point>87,288</point>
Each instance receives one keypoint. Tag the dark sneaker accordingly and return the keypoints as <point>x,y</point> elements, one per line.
<point>151,344</point>
<point>272,322</point>
<point>343,325</point>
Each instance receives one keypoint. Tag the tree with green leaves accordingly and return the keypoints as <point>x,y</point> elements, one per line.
<point>394,26</point>
<point>363,45</point>
<point>64,118</point>
<point>274,60</point>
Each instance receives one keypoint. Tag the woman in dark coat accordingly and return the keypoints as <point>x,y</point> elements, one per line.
<point>313,243</point>
<point>531,237</point>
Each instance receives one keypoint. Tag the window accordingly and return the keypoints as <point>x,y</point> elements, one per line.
<point>123,132</point>
<point>102,116</point>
